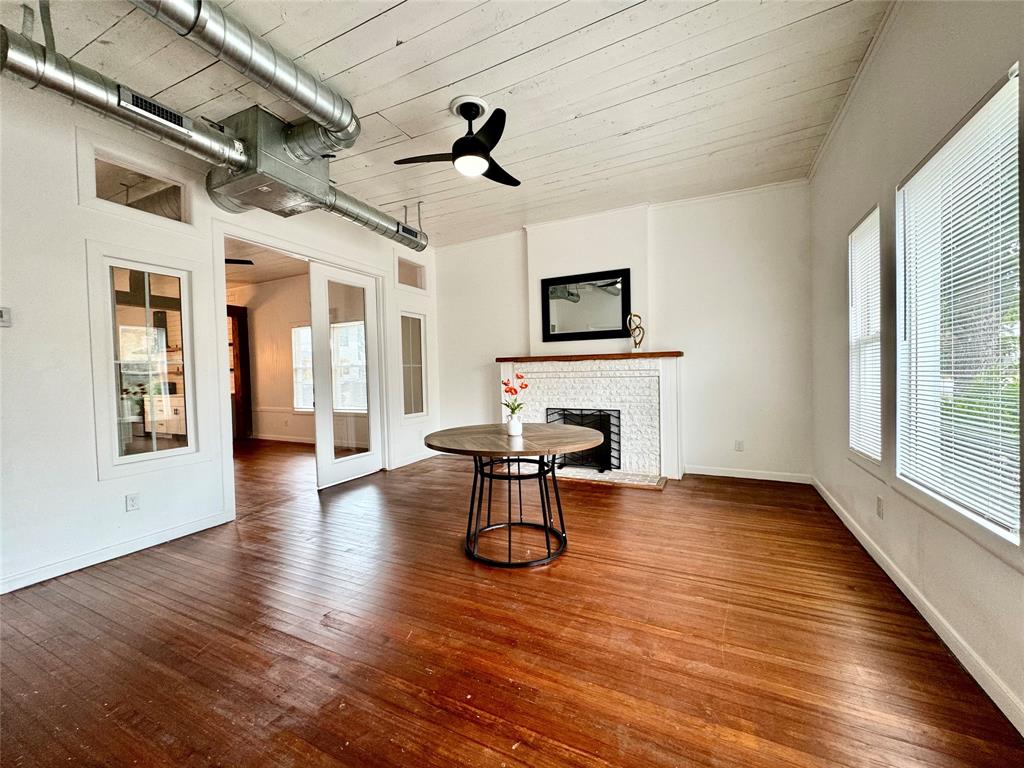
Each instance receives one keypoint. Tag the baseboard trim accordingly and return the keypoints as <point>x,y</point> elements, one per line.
<point>285,439</point>
<point>77,562</point>
<point>293,439</point>
<point>750,474</point>
<point>1008,702</point>
<point>412,458</point>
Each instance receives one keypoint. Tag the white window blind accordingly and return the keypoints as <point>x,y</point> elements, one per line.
<point>958,334</point>
<point>865,339</point>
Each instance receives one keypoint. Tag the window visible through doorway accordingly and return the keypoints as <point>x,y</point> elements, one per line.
<point>302,368</point>
<point>348,363</point>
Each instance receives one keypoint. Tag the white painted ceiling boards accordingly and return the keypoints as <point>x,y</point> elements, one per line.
<point>610,102</point>
<point>267,263</point>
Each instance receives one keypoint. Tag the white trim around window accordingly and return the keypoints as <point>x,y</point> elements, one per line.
<point>101,258</point>
<point>408,364</point>
<point>958,328</point>
<point>91,147</point>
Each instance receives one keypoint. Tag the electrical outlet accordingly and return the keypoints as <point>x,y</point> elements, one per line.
<point>738,446</point>
<point>131,502</point>
<point>879,507</point>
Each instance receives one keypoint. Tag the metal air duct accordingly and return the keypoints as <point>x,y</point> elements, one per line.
<point>334,123</point>
<point>257,158</point>
<point>32,63</point>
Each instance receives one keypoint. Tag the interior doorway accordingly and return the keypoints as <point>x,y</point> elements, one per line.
<point>239,369</point>
<point>304,362</point>
<point>270,369</point>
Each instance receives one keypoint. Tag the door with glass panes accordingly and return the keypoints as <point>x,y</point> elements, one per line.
<point>346,374</point>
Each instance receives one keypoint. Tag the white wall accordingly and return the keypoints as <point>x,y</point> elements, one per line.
<point>724,279</point>
<point>482,313</point>
<point>933,62</point>
<point>57,515</point>
<point>730,286</point>
<point>610,240</point>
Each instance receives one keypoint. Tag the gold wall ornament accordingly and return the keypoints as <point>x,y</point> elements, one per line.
<point>636,330</point>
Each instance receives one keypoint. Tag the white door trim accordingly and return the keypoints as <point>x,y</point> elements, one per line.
<point>222,228</point>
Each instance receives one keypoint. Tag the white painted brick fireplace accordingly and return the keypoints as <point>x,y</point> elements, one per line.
<point>643,388</point>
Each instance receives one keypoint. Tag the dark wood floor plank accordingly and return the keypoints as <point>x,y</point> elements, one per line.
<point>721,622</point>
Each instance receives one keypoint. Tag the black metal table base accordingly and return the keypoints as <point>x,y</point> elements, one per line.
<point>485,520</point>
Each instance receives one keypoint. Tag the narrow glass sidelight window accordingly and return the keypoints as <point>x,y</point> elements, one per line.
<point>412,365</point>
<point>149,361</point>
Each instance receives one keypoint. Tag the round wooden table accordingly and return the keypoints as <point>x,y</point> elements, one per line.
<point>496,456</point>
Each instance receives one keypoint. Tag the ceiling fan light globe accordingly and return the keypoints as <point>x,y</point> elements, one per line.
<point>471,165</point>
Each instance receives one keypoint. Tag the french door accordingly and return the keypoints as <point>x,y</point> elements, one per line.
<point>346,374</point>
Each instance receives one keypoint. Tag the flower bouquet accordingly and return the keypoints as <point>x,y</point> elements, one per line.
<point>514,389</point>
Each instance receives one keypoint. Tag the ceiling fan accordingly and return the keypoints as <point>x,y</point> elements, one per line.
<point>471,154</point>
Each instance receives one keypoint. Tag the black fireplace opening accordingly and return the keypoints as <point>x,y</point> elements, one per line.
<point>605,456</point>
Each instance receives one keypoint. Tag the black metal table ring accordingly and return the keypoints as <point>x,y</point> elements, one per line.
<point>484,520</point>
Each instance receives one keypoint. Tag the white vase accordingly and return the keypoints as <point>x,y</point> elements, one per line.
<point>514,425</point>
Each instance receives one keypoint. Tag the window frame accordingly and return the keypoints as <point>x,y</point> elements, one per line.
<point>874,463</point>
<point>92,147</point>
<point>419,415</point>
<point>414,289</point>
<point>309,327</point>
<point>291,338</point>
<point>330,331</point>
<point>102,258</point>
<point>994,538</point>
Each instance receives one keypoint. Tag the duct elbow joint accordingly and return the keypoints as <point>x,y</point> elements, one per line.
<point>310,140</point>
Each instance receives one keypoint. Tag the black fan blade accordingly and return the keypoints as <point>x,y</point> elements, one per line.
<point>443,157</point>
<point>243,262</point>
<point>496,173</point>
<point>490,134</point>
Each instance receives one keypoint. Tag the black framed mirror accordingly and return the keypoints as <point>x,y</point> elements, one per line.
<point>593,305</point>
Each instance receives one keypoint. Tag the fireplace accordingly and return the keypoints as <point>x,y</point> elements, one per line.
<point>605,456</point>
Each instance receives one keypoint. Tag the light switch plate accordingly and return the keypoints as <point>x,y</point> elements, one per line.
<point>132,503</point>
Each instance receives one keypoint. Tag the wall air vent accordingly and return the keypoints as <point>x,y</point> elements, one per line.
<point>129,99</point>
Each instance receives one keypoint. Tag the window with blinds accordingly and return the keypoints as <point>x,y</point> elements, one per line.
<point>958,324</point>
<point>865,339</point>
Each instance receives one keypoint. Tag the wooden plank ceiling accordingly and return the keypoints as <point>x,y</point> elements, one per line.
<point>267,263</point>
<point>610,102</point>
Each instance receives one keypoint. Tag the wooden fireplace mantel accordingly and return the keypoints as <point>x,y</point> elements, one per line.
<point>576,358</point>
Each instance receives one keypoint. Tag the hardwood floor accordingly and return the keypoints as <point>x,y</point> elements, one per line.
<point>719,623</point>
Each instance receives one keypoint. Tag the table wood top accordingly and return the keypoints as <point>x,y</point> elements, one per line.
<point>491,440</point>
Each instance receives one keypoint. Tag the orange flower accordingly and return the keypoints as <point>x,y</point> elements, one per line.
<point>520,376</point>
<point>506,383</point>
<point>523,385</point>
<point>513,391</point>
<point>508,391</point>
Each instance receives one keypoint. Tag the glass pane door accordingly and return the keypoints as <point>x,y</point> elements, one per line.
<point>346,381</point>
